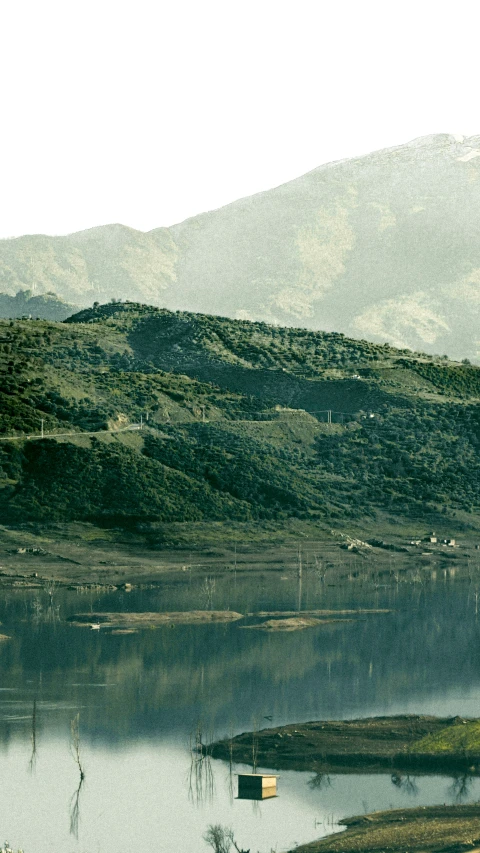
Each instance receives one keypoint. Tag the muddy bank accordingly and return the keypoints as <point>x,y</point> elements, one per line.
<point>375,745</point>
<point>434,829</point>
<point>82,553</point>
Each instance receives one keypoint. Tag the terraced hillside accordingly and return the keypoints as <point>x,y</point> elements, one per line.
<point>240,420</point>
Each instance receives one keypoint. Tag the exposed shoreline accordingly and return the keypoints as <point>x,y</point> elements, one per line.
<point>82,554</point>
<point>426,829</point>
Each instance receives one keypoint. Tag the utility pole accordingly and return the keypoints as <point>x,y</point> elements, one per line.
<point>203,414</point>
<point>141,421</point>
<point>41,427</point>
<point>329,416</point>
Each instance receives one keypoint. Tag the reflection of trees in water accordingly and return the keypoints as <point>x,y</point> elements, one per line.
<point>230,763</point>
<point>459,790</point>
<point>75,799</point>
<point>245,672</point>
<point>256,808</point>
<point>319,782</point>
<point>75,809</point>
<point>255,726</point>
<point>50,613</point>
<point>208,590</point>
<point>201,783</point>
<point>406,783</point>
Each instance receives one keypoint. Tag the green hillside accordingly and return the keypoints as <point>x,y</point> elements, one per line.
<point>241,421</point>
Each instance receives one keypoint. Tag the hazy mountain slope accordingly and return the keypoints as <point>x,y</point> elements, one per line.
<point>46,306</point>
<point>384,247</point>
<point>235,426</point>
<point>98,264</point>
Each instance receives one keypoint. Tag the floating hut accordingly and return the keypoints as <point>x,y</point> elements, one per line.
<point>256,786</point>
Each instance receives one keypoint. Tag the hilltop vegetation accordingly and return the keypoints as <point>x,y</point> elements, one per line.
<point>235,421</point>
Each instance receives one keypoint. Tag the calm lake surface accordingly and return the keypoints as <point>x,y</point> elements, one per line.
<point>140,698</point>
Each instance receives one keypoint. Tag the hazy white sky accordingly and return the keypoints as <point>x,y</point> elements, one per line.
<point>146,113</point>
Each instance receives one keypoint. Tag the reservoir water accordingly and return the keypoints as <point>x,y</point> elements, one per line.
<point>139,698</point>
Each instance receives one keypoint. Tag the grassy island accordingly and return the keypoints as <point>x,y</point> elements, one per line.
<point>377,745</point>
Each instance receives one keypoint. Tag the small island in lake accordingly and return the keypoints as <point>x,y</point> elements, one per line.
<point>373,745</point>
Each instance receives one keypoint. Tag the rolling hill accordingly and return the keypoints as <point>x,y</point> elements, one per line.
<point>383,247</point>
<point>241,421</point>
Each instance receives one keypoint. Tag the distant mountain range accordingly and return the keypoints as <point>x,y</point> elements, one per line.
<point>384,247</point>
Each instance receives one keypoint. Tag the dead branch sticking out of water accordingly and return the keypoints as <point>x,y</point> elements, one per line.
<point>33,758</point>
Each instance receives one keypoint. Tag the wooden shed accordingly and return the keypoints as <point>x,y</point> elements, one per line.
<point>256,786</point>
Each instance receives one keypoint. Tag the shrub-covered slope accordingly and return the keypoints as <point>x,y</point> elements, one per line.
<point>240,421</point>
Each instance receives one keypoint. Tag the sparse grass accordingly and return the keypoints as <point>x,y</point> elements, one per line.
<point>464,737</point>
<point>424,830</point>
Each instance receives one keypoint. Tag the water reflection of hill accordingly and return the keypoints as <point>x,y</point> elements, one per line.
<point>159,682</point>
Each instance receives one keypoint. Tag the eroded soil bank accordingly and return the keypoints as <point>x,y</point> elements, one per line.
<point>376,745</point>
<point>434,829</point>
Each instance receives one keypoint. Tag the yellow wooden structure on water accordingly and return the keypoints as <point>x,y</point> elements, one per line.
<point>256,786</point>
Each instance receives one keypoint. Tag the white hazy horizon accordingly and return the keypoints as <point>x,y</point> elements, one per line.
<point>149,114</point>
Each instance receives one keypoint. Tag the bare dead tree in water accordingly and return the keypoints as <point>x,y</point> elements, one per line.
<point>33,758</point>
<point>221,839</point>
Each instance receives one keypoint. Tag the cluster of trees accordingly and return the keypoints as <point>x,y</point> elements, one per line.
<point>109,482</point>
<point>414,458</point>
<point>461,380</point>
<point>231,463</point>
